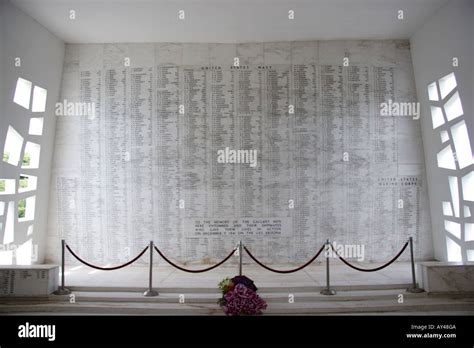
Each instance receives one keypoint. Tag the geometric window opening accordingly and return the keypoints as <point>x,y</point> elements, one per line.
<point>469,232</point>
<point>2,208</point>
<point>27,183</point>
<point>446,159</point>
<point>21,208</point>
<point>462,144</point>
<point>447,84</point>
<point>447,210</point>
<point>26,209</point>
<point>454,250</point>
<point>13,145</point>
<point>30,230</point>
<point>7,186</point>
<point>444,136</point>
<point>453,187</point>
<point>433,92</point>
<point>9,224</point>
<point>24,253</point>
<point>470,255</point>
<point>39,99</point>
<point>31,156</point>
<point>468,187</point>
<point>437,116</point>
<point>36,126</point>
<point>453,227</point>
<point>467,211</point>
<point>453,107</point>
<point>22,93</point>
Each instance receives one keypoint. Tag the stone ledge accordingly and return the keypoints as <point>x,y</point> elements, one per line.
<point>31,280</point>
<point>446,277</point>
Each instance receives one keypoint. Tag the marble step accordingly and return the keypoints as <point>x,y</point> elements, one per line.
<point>262,288</point>
<point>270,297</point>
<point>374,305</point>
<point>378,306</point>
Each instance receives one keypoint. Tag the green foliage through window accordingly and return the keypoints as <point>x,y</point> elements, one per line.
<point>21,208</point>
<point>23,181</point>
<point>26,160</point>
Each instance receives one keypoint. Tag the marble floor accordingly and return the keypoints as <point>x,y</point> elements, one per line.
<point>120,292</point>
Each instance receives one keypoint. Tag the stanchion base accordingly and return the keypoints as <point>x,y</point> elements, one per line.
<point>415,290</point>
<point>62,291</point>
<point>150,293</point>
<point>328,292</point>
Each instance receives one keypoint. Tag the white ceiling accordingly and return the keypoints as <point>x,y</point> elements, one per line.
<point>228,20</point>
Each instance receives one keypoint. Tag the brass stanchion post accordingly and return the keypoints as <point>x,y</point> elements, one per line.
<point>62,290</point>
<point>414,287</point>
<point>328,290</point>
<point>150,292</point>
<point>240,258</point>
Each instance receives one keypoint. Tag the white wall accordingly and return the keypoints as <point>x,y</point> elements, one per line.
<point>118,177</point>
<point>41,56</point>
<point>449,33</point>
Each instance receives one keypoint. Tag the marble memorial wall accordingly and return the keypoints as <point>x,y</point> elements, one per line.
<point>136,153</point>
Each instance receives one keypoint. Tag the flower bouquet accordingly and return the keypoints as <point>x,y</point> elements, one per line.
<point>239,297</point>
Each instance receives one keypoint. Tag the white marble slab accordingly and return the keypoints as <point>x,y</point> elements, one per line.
<point>446,276</point>
<point>32,280</point>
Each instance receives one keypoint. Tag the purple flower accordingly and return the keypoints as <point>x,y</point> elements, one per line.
<point>243,301</point>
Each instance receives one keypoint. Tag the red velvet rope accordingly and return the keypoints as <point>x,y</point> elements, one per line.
<point>106,268</point>
<point>283,271</point>
<point>193,270</point>
<point>229,256</point>
<point>371,269</point>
